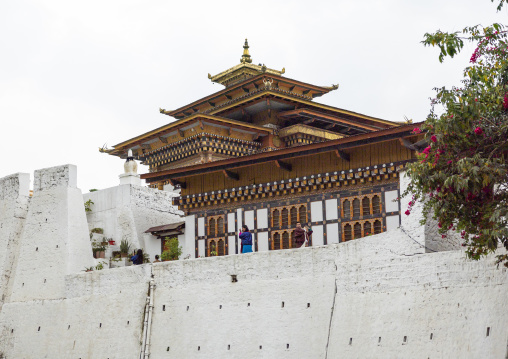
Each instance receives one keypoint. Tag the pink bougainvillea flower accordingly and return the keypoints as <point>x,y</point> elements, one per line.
<point>426,150</point>
<point>505,102</point>
<point>407,212</point>
<point>433,138</point>
<point>478,131</point>
<point>417,130</point>
<point>449,162</point>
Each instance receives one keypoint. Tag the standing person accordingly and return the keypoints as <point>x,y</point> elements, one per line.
<point>246,238</point>
<point>299,235</point>
<point>308,235</point>
<point>138,258</point>
<point>156,259</point>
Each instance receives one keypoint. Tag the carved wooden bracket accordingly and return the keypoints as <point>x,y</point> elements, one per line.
<point>283,165</point>
<point>231,175</point>
<point>343,155</point>
<point>163,139</point>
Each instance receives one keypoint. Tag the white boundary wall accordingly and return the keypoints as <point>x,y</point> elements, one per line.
<point>377,297</point>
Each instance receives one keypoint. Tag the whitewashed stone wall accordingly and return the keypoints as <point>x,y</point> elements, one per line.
<point>125,212</point>
<point>380,296</point>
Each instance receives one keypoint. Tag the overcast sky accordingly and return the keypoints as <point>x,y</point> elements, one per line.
<point>76,75</point>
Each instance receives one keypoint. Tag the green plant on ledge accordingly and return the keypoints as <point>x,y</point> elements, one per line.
<point>97,230</point>
<point>125,246</point>
<point>173,251</point>
<point>100,266</point>
<point>88,205</point>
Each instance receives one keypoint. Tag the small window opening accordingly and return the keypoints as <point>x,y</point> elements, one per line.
<point>350,341</point>
<point>229,346</point>
<point>233,278</point>
<point>379,340</point>
<point>405,339</point>
<point>187,308</point>
<point>100,325</point>
<point>220,306</point>
<point>282,304</point>
<point>248,304</point>
<point>164,308</point>
<point>431,336</point>
<point>308,305</point>
<point>167,349</point>
<point>39,329</point>
<point>44,280</point>
<point>12,330</point>
<point>128,322</point>
<point>57,246</point>
<point>199,348</point>
<point>68,327</point>
<point>488,331</point>
<point>36,249</point>
<point>287,346</point>
<point>260,347</point>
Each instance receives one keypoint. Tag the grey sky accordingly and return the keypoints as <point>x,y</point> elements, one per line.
<point>76,75</point>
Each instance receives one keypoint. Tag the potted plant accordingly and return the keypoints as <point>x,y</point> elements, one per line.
<point>99,249</point>
<point>172,251</point>
<point>125,248</point>
<point>111,242</point>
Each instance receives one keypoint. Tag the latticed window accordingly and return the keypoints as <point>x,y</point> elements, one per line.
<point>211,227</point>
<point>220,225</point>
<point>276,218</point>
<point>377,227</point>
<point>220,247</point>
<point>358,230</point>
<point>285,240</point>
<point>302,211</point>
<point>346,208</point>
<point>367,229</point>
<point>347,232</point>
<point>356,207</point>
<point>285,217</point>
<point>366,206</point>
<point>293,239</point>
<point>294,216</point>
<point>376,205</point>
<point>276,241</point>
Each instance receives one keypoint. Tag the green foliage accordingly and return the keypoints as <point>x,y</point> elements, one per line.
<point>146,258</point>
<point>100,266</point>
<point>125,246</point>
<point>88,205</point>
<point>173,251</point>
<point>462,176</point>
<point>97,230</point>
<point>93,190</point>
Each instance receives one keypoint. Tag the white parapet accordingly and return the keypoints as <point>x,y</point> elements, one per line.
<point>55,240</point>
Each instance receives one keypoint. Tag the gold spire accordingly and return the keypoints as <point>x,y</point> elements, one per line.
<point>246,56</point>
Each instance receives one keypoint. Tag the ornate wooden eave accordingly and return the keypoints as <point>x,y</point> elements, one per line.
<point>293,152</point>
<point>144,139</point>
<point>250,86</point>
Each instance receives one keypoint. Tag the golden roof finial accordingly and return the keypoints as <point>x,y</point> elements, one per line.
<point>246,56</point>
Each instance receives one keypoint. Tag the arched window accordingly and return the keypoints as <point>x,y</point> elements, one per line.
<point>220,225</point>
<point>377,227</point>
<point>347,232</point>
<point>211,227</point>
<point>212,248</point>
<point>294,216</point>
<point>376,205</point>
<point>220,247</point>
<point>366,206</point>
<point>356,207</point>
<point>346,208</point>
<point>285,240</point>
<point>302,213</point>
<point>367,229</point>
<point>285,217</point>
<point>276,241</point>
<point>276,218</point>
<point>358,230</point>
<point>293,239</point>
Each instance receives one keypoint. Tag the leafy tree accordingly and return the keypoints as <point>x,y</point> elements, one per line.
<point>462,176</point>
<point>173,251</point>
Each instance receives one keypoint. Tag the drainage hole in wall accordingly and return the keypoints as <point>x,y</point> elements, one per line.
<point>282,304</point>
<point>36,249</point>
<point>431,336</point>
<point>248,304</point>
<point>287,346</point>
<point>12,330</point>
<point>187,308</point>
<point>68,327</point>
<point>233,278</point>
<point>350,341</point>
<point>405,339</point>
<point>488,331</point>
<point>260,347</point>
<point>39,329</point>
<point>100,325</point>
<point>308,305</point>
<point>57,246</point>
<point>23,284</point>
<point>199,348</point>
<point>229,346</point>
<point>44,280</point>
<point>167,349</point>
<point>128,322</point>
<point>164,308</point>
<point>220,306</point>
<point>379,340</point>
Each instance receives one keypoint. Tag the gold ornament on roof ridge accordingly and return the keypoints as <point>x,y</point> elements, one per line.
<point>246,56</point>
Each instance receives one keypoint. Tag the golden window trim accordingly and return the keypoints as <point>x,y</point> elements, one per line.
<point>216,218</point>
<point>216,240</point>
<point>280,232</point>
<point>360,198</point>
<point>362,223</point>
<point>298,206</point>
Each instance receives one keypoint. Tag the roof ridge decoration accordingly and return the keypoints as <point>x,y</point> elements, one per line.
<point>243,71</point>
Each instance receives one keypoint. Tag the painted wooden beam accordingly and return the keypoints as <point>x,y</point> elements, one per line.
<point>145,146</point>
<point>231,175</point>
<point>343,155</point>
<point>200,124</point>
<point>284,165</point>
<point>308,122</point>
<point>245,89</point>
<point>180,132</point>
<point>163,139</point>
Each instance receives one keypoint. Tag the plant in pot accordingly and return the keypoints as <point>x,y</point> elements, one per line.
<point>99,249</point>
<point>125,248</point>
<point>172,251</point>
<point>111,242</point>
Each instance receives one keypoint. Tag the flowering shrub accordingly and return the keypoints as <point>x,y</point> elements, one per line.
<point>462,176</point>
